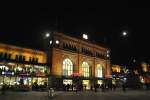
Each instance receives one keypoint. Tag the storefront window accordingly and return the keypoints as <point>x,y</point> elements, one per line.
<point>99,71</point>
<point>85,69</point>
<point>86,84</point>
<point>67,67</point>
<point>66,81</point>
<point>40,80</point>
<point>6,80</point>
<point>100,82</point>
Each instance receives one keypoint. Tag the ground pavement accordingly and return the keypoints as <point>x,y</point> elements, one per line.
<point>86,95</point>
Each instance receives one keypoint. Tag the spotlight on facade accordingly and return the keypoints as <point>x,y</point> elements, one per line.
<point>85,36</point>
<point>57,41</point>
<point>47,35</point>
<point>50,42</point>
<point>108,55</point>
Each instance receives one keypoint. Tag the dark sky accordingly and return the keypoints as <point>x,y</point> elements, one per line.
<point>25,27</point>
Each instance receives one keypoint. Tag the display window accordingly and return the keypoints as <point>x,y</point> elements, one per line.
<point>86,84</point>
<point>67,81</point>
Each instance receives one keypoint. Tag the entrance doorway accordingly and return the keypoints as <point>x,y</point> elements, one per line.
<point>86,84</point>
<point>100,82</point>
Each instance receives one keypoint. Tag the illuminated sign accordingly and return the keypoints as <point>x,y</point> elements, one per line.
<point>24,74</point>
<point>7,73</point>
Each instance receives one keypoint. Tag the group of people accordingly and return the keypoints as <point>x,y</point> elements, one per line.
<point>72,87</point>
<point>95,87</point>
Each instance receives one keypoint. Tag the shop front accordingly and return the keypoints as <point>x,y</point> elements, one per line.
<point>86,84</point>
<point>67,81</point>
<point>100,82</point>
<point>23,75</point>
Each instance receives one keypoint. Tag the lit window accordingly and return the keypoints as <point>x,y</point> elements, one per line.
<point>85,69</point>
<point>99,71</point>
<point>85,36</point>
<point>67,67</point>
<point>57,41</point>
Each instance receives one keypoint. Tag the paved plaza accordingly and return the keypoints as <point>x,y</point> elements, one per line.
<point>86,95</point>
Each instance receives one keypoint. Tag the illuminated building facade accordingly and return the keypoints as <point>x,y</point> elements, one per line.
<point>74,58</point>
<point>145,73</point>
<point>119,75</point>
<point>22,66</point>
<point>67,60</point>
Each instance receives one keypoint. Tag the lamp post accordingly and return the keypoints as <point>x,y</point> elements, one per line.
<point>124,33</point>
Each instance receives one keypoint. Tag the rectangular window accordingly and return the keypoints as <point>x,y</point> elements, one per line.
<point>36,60</point>
<point>20,58</point>
<point>1,54</point>
<point>9,56</point>
<point>30,59</point>
<point>5,55</point>
<point>24,58</point>
<point>33,60</point>
<point>17,57</point>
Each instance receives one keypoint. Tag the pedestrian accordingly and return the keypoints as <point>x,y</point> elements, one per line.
<point>124,88</point>
<point>114,87</point>
<point>95,87</point>
<point>72,87</point>
<point>3,89</point>
<point>103,87</point>
<point>76,88</point>
<point>91,88</point>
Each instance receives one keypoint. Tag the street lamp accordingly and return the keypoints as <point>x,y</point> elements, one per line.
<point>124,33</point>
<point>47,35</point>
<point>85,36</point>
<point>57,41</point>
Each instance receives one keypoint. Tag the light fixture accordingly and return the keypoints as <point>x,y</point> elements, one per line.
<point>85,36</point>
<point>108,55</point>
<point>124,33</point>
<point>50,42</point>
<point>47,35</point>
<point>3,73</point>
<point>57,41</point>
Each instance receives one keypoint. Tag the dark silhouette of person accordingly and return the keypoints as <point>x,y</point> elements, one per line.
<point>124,88</point>
<point>72,87</point>
<point>95,87</point>
<point>76,88</point>
<point>3,89</point>
<point>91,88</point>
<point>103,87</point>
<point>114,87</point>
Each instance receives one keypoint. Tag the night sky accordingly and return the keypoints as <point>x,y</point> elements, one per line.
<point>26,27</point>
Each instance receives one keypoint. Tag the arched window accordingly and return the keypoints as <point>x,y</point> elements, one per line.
<point>99,71</point>
<point>67,67</point>
<point>85,69</point>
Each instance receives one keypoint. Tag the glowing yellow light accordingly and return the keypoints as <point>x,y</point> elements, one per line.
<point>3,73</point>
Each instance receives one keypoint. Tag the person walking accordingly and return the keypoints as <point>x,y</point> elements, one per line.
<point>3,89</point>
<point>124,88</point>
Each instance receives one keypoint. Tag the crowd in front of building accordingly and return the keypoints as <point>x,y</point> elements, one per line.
<point>68,64</point>
<point>21,68</point>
